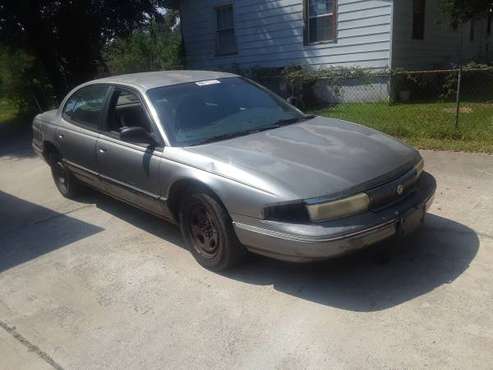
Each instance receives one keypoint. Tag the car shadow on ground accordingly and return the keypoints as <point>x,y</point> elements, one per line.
<point>375,279</point>
<point>28,231</point>
<point>380,277</point>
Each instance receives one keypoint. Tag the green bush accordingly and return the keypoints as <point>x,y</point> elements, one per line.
<point>155,48</point>
<point>299,81</point>
<point>424,86</point>
<point>476,85</point>
<point>22,82</point>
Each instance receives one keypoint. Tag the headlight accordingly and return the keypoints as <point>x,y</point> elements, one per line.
<point>295,213</point>
<point>420,168</point>
<point>339,208</point>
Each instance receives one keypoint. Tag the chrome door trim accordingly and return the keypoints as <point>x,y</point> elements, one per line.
<point>129,187</point>
<point>113,181</point>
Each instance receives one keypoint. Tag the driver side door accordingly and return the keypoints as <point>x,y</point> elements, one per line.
<point>129,169</point>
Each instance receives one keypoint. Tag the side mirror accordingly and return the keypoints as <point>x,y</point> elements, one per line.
<point>136,134</point>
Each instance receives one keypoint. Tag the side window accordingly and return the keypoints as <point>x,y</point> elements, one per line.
<point>488,24</point>
<point>472,30</point>
<point>225,36</point>
<point>126,111</point>
<point>320,20</point>
<point>419,8</point>
<point>85,105</point>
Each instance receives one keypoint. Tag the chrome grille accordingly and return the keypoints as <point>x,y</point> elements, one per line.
<point>394,191</point>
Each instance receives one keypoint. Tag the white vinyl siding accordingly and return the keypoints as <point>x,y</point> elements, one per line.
<point>270,33</point>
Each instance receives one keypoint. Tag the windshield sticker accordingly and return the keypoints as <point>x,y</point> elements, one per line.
<point>207,83</point>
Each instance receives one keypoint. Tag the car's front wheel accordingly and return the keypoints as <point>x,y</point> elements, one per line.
<point>208,232</point>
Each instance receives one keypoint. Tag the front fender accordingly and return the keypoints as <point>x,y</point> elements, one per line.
<point>237,197</point>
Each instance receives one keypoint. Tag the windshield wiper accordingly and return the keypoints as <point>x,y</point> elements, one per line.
<point>221,137</point>
<point>290,121</point>
<point>275,125</point>
<point>236,134</point>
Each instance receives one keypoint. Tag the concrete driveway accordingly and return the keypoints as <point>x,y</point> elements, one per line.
<point>96,284</point>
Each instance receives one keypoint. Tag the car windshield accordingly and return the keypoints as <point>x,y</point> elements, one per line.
<point>207,111</point>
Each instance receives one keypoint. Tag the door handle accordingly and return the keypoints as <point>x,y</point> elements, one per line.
<point>60,136</point>
<point>102,150</point>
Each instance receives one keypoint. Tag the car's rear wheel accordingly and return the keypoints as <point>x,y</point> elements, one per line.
<point>208,232</point>
<point>65,182</point>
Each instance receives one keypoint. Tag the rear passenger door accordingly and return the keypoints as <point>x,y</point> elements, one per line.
<point>129,170</point>
<point>77,136</point>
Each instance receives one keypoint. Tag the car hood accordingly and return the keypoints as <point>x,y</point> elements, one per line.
<point>319,157</point>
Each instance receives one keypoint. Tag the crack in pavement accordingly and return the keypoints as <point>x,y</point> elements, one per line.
<point>30,346</point>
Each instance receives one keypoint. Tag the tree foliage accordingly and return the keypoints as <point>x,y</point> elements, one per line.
<point>23,81</point>
<point>67,36</point>
<point>156,47</point>
<point>461,11</point>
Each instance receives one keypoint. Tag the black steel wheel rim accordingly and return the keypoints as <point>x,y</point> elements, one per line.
<point>204,231</point>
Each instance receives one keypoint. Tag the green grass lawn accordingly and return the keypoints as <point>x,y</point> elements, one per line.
<point>425,125</point>
<point>8,112</point>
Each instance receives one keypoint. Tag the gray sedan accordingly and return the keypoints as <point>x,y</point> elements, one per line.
<point>234,165</point>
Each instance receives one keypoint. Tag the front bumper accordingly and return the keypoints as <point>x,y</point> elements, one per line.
<point>309,242</point>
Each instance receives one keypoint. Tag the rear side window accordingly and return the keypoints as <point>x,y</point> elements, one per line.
<point>86,105</point>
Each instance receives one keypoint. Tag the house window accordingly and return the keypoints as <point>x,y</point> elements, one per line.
<point>472,30</point>
<point>320,20</point>
<point>488,30</point>
<point>225,37</point>
<point>419,7</point>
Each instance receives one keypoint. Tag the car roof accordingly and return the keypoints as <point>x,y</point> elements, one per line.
<point>150,80</point>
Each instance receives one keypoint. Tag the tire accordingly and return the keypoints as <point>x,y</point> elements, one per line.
<point>208,232</point>
<point>65,182</point>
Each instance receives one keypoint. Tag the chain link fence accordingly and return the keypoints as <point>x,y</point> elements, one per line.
<point>425,108</point>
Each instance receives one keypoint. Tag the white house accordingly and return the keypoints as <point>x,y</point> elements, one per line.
<point>373,34</point>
